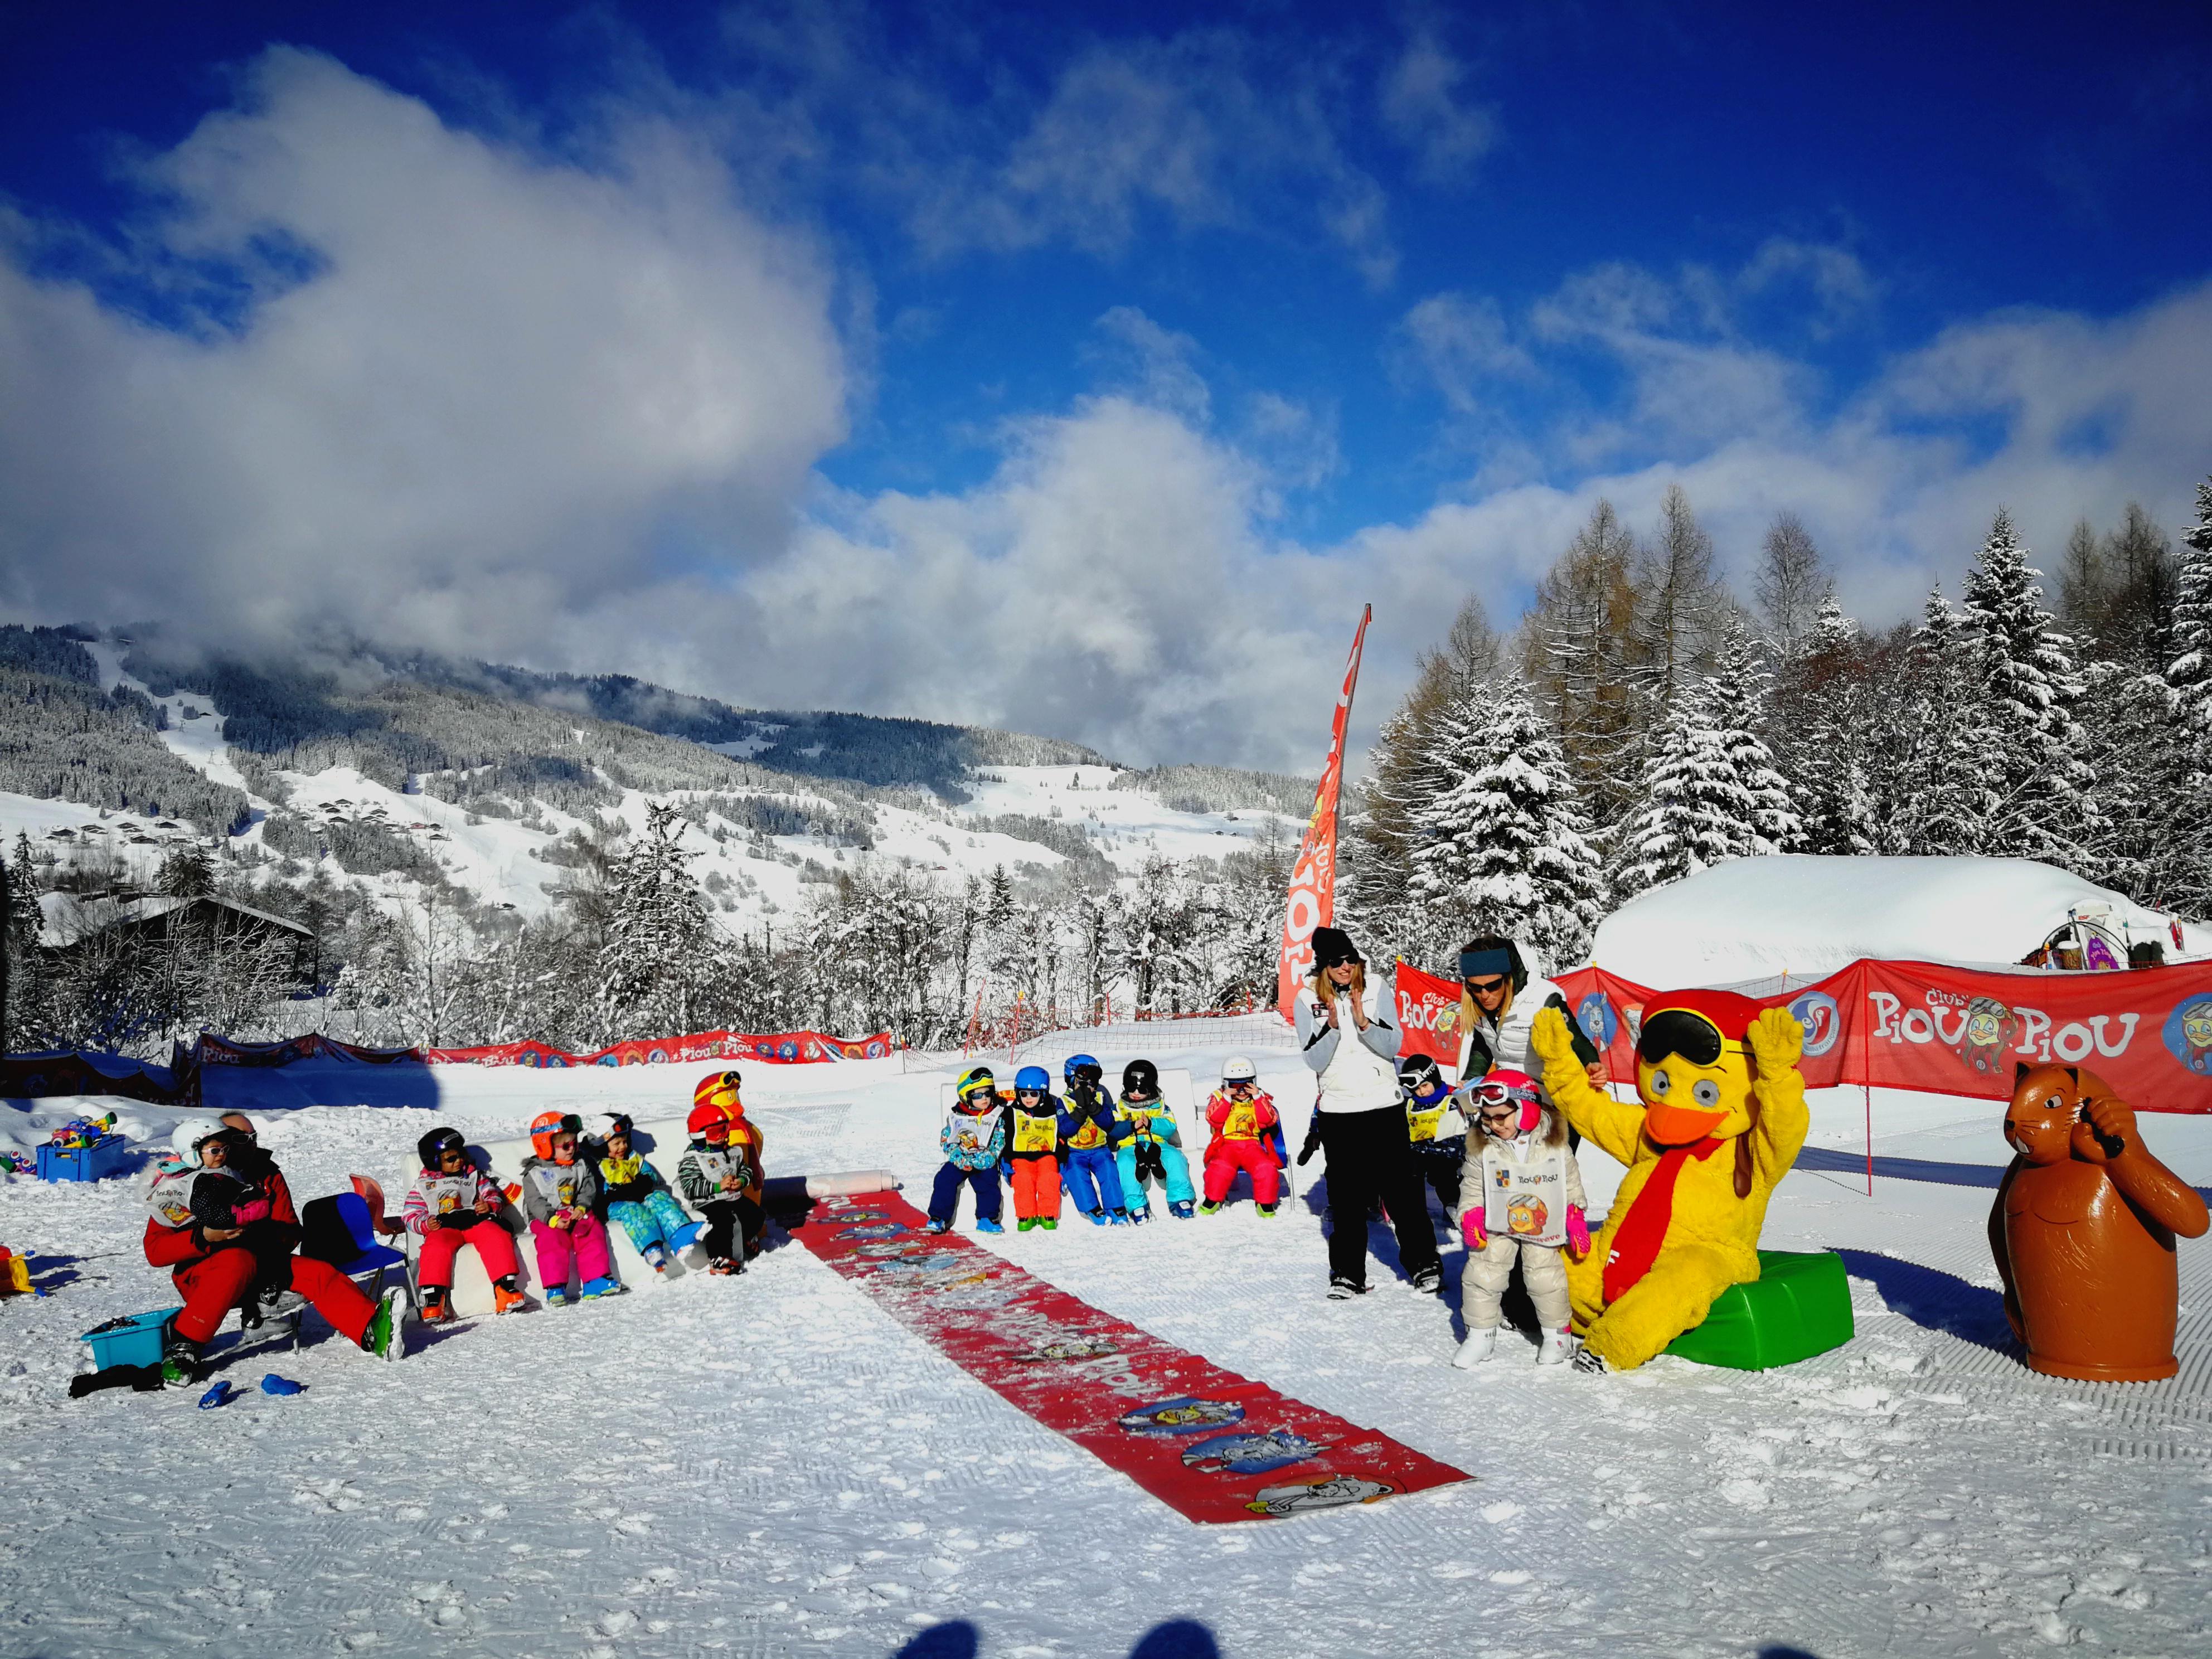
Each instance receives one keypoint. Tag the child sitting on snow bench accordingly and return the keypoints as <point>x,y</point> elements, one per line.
<point>454,1203</point>
<point>639,1201</point>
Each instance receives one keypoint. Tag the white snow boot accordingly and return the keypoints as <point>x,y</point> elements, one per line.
<point>1558,1347</point>
<point>1478,1347</point>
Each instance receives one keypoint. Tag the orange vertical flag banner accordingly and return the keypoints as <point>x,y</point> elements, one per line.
<point>1313,879</point>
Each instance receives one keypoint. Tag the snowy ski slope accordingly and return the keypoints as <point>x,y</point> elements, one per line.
<point>772,1466</point>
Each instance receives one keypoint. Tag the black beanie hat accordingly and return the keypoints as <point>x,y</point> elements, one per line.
<point>430,1145</point>
<point>1140,1076</point>
<point>1332,945</point>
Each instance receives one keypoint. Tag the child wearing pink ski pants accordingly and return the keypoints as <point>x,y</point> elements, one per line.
<point>584,1242</point>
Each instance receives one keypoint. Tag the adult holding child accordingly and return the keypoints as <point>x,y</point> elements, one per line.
<point>1350,1042</point>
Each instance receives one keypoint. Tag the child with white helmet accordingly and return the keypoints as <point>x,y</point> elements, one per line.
<point>1241,1114</point>
<point>1521,1195</point>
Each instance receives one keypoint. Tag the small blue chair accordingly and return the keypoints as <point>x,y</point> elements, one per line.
<point>339,1229</point>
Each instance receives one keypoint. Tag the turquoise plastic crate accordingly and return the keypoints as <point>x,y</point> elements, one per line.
<point>102,1158</point>
<point>134,1339</point>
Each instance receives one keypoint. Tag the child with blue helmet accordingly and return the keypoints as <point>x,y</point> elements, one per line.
<point>1033,1149</point>
<point>1089,1132</point>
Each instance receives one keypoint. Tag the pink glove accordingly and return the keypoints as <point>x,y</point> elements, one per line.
<point>1470,1230</point>
<point>252,1210</point>
<point>1577,1230</point>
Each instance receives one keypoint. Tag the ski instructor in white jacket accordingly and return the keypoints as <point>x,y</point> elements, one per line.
<point>1361,1116</point>
<point>1503,1000</point>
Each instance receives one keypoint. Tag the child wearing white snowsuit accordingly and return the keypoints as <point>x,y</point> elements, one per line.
<point>1521,1198</point>
<point>639,1201</point>
<point>1153,1148</point>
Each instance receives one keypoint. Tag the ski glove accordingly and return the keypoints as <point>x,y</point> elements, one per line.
<point>255,1209</point>
<point>1470,1230</point>
<point>1313,1143</point>
<point>1579,1231</point>
<point>461,1220</point>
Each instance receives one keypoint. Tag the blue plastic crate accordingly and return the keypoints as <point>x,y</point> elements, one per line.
<point>135,1340</point>
<point>102,1158</point>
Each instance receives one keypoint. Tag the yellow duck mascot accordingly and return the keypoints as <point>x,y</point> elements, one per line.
<point>1723,1119</point>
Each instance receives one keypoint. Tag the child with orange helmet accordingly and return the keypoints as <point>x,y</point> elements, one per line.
<point>721,1178</point>
<point>559,1194</point>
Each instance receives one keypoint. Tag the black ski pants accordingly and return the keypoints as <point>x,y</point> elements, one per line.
<point>733,1226</point>
<point>1369,1158</point>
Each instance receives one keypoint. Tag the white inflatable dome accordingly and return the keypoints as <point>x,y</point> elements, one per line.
<point>1806,917</point>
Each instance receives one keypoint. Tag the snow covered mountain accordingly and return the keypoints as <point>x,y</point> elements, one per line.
<point>488,783</point>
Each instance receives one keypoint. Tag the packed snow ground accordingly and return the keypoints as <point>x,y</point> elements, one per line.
<point>772,1465</point>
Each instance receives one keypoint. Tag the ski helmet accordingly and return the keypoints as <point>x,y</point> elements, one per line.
<point>434,1145</point>
<point>979,1082</point>
<point>1505,1085</point>
<point>1419,1076</point>
<point>1082,1068</point>
<point>193,1134</point>
<point>1033,1077</point>
<point>704,1119</point>
<point>546,1125</point>
<point>1238,1069</point>
<point>1141,1077</point>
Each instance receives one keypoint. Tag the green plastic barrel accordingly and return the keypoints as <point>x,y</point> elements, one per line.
<point>1800,1306</point>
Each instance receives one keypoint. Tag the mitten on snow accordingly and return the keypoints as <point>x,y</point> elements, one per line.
<point>1577,1230</point>
<point>1470,1230</point>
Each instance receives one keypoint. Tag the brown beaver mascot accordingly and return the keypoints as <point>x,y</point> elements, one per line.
<point>2083,1229</point>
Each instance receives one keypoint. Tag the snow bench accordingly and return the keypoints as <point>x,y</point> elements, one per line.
<point>661,1142</point>
<point>1799,1305</point>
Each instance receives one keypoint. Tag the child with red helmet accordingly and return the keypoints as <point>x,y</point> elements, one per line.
<point>559,1194</point>
<point>1520,1198</point>
<point>719,1175</point>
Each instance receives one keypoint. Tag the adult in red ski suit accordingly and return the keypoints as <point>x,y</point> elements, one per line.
<point>214,1268</point>
<point>1240,1115</point>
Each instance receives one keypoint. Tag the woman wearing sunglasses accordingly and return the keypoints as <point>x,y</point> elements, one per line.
<point>1362,1118</point>
<point>1499,1009</point>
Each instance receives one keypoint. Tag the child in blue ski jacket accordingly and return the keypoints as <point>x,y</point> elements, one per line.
<point>973,1140</point>
<point>1089,1131</point>
<point>639,1201</point>
<point>1152,1147</point>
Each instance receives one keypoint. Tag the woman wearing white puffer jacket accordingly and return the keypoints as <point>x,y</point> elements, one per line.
<point>1361,1116</point>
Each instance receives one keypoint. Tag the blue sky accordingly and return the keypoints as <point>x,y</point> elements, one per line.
<point>1077,370</point>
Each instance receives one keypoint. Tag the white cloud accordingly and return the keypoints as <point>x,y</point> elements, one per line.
<point>570,416</point>
<point>1423,107</point>
<point>503,384</point>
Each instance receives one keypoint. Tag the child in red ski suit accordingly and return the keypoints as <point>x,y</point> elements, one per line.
<point>1241,1116</point>
<point>454,1203</point>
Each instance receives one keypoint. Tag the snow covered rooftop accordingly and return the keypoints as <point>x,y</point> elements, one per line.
<point>1807,916</point>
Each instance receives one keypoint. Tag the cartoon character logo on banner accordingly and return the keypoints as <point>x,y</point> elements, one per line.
<point>1185,1415</point>
<point>1069,1347</point>
<point>1823,1021</point>
<point>1599,1022</point>
<point>1248,1454</point>
<point>1326,1492</point>
<point>2189,1033</point>
<point>1990,1027</point>
<point>787,1051</point>
<point>877,1050</point>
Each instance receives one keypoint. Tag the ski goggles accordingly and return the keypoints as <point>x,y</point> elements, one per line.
<point>1496,1096</point>
<point>1682,1031</point>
